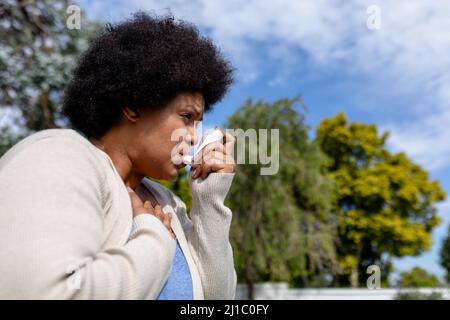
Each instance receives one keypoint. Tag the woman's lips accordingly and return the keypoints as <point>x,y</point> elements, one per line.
<point>178,159</point>
<point>180,166</point>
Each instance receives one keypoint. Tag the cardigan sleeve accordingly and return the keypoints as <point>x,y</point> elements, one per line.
<point>52,197</point>
<point>207,233</point>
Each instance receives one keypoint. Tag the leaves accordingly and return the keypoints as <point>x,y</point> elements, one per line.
<point>445,255</point>
<point>418,278</point>
<point>282,228</point>
<point>385,201</point>
<point>37,55</point>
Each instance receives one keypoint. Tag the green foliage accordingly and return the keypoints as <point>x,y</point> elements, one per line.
<point>416,295</point>
<point>418,278</point>
<point>385,201</point>
<point>445,256</point>
<point>7,139</point>
<point>282,226</point>
<point>359,205</point>
<point>37,54</point>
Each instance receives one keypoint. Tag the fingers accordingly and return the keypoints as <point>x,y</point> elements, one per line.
<point>159,213</point>
<point>215,146</point>
<point>146,207</point>
<point>136,202</point>
<point>215,161</point>
<point>166,219</point>
<point>229,142</point>
<point>215,157</point>
<point>203,154</point>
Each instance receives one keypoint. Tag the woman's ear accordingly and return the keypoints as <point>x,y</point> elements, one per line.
<point>132,115</point>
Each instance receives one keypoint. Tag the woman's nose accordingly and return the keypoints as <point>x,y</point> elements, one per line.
<point>192,137</point>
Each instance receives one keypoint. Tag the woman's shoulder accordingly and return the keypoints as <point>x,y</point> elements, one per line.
<point>63,144</point>
<point>51,136</point>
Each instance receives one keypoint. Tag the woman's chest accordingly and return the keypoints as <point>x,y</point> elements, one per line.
<point>119,213</point>
<point>118,218</point>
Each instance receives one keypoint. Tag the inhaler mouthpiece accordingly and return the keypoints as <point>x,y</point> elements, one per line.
<point>216,135</point>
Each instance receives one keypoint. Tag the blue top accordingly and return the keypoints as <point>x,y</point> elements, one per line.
<point>179,283</point>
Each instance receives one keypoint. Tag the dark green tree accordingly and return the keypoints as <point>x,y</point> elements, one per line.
<point>445,256</point>
<point>418,277</point>
<point>282,228</point>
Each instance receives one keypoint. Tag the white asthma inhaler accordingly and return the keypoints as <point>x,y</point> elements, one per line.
<point>215,135</point>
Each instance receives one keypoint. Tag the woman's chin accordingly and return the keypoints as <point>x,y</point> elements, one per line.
<point>172,174</point>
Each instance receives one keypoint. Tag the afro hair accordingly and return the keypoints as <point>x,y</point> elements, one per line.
<point>145,61</point>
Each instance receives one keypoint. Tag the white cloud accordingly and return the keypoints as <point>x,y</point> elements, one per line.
<point>409,56</point>
<point>281,26</point>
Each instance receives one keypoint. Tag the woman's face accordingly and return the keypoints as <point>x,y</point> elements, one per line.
<point>152,147</point>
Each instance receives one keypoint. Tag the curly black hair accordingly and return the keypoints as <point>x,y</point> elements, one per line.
<point>145,61</point>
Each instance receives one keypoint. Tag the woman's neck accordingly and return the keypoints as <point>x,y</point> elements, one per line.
<point>120,159</point>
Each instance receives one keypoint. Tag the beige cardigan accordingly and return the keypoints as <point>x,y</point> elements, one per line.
<point>66,227</point>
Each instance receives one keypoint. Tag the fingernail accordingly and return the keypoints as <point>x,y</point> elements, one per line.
<point>129,189</point>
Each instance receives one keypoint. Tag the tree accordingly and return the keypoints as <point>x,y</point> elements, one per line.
<point>385,201</point>
<point>445,256</point>
<point>37,54</point>
<point>7,139</point>
<point>418,278</point>
<point>282,226</point>
<point>416,295</point>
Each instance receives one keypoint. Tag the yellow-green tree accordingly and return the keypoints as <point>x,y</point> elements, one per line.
<point>385,200</point>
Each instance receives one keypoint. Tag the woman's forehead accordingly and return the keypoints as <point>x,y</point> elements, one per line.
<point>194,100</point>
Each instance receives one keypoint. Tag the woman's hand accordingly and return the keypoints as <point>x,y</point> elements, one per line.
<point>146,207</point>
<point>215,157</point>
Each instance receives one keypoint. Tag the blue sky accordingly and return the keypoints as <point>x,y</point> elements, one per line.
<point>396,77</point>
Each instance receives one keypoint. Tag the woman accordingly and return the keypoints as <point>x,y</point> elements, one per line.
<point>78,218</point>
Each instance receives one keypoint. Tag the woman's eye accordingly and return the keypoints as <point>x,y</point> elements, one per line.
<point>187,116</point>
